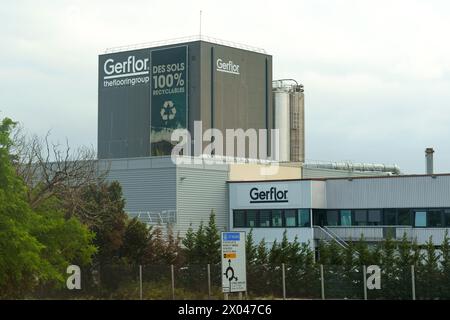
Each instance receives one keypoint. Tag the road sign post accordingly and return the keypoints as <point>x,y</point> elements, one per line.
<point>234,273</point>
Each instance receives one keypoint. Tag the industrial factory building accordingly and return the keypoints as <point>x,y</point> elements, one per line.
<point>146,92</point>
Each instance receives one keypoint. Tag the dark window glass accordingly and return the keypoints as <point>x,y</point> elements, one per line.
<point>390,217</point>
<point>264,218</point>
<point>332,218</point>
<point>239,218</point>
<point>435,219</point>
<point>404,217</point>
<point>304,218</point>
<point>252,219</point>
<point>447,217</point>
<point>420,219</point>
<point>346,218</point>
<point>319,217</point>
<point>374,217</point>
<point>290,218</point>
<point>360,217</point>
<point>276,218</point>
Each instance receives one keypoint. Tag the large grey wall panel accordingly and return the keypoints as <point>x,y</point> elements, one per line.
<point>398,192</point>
<point>147,189</point>
<point>198,192</point>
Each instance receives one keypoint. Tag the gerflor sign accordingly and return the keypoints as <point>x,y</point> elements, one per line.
<point>234,273</point>
<point>268,196</point>
<point>227,66</point>
<point>126,70</point>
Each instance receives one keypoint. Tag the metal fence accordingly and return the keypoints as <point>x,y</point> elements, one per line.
<point>263,282</point>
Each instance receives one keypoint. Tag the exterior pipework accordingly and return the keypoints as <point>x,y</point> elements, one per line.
<point>349,166</point>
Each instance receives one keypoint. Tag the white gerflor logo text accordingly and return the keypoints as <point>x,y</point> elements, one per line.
<point>228,67</point>
<point>130,71</point>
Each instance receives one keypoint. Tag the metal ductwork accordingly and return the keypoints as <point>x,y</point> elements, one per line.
<point>350,166</point>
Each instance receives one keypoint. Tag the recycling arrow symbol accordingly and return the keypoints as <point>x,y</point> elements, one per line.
<point>168,111</point>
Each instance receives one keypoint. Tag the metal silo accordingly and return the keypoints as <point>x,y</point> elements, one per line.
<point>289,108</point>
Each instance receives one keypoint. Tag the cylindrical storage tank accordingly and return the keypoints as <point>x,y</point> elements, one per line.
<point>281,98</point>
<point>297,124</point>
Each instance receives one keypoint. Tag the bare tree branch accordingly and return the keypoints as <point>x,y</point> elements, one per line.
<point>50,169</point>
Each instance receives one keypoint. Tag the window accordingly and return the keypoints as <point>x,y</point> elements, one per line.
<point>435,219</point>
<point>346,218</point>
<point>332,218</point>
<point>304,218</point>
<point>264,218</point>
<point>276,218</point>
<point>252,219</point>
<point>374,217</point>
<point>447,217</point>
<point>239,218</point>
<point>390,217</point>
<point>360,217</point>
<point>421,219</point>
<point>404,217</point>
<point>289,218</point>
<point>319,217</point>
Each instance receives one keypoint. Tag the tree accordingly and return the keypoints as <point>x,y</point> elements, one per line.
<point>200,244</point>
<point>363,255</point>
<point>428,273</point>
<point>388,268</point>
<point>172,251</point>
<point>51,169</point>
<point>136,238</point>
<point>212,241</point>
<point>189,244</point>
<point>261,253</point>
<point>36,243</point>
<point>156,247</point>
<point>250,249</point>
<point>105,204</point>
<point>445,266</point>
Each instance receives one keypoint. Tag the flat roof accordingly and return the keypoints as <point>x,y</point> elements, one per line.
<point>345,178</point>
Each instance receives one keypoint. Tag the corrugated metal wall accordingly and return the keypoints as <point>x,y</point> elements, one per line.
<point>148,184</point>
<point>396,192</point>
<point>200,190</point>
<point>155,184</point>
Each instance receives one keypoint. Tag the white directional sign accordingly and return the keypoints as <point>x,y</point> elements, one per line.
<point>234,273</point>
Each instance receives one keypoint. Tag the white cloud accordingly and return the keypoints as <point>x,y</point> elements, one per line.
<point>376,73</point>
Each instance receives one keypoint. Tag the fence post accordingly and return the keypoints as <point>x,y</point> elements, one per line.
<point>365,282</point>
<point>283,273</point>
<point>413,283</point>
<point>322,282</point>
<point>173,281</point>
<point>209,281</point>
<point>140,282</point>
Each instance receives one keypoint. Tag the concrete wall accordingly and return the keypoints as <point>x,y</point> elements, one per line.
<point>252,172</point>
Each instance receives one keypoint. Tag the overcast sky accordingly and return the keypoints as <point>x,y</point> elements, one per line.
<point>376,73</point>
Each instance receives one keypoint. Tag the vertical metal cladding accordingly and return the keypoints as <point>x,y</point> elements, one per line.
<point>145,94</point>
